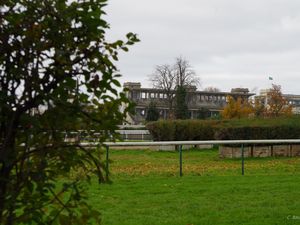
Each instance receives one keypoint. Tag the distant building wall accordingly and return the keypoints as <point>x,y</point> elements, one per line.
<point>196,100</point>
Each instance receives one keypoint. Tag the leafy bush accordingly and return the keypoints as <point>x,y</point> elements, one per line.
<point>179,130</point>
<point>255,132</point>
<point>162,130</point>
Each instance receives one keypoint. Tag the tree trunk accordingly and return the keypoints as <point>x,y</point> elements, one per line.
<point>6,161</point>
<point>4,177</point>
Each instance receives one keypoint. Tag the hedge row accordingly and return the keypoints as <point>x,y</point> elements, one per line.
<point>269,132</point>
<point>180,130</point>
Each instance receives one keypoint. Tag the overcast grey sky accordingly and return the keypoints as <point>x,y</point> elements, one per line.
<point>229,43</point>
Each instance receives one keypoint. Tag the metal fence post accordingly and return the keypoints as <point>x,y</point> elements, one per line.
<point>243,163</point>
<point>180,160</point>
<point>107,162</point>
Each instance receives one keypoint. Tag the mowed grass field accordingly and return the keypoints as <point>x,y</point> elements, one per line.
<point>146,189</point>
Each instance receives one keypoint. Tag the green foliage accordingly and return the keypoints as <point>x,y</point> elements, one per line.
<point>181,108</point>
<point>57,73</point>
<point>152,112</point>
<point>179,130</point>
<point>203,113</point>
<point>251,129</point>
<point>162,130</point>
<point>261,122</point>
<point>253,132</point>
<point>270,128</point>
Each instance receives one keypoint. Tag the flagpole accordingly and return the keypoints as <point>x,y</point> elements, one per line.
<point>271,80</point>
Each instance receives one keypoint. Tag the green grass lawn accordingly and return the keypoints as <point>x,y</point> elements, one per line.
<point>146,189</point>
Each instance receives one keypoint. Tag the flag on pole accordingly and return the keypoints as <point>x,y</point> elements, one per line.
<point>270,78</point>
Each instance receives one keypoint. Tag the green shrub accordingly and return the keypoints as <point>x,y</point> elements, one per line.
<point>182,130</point>
<point>255,132</point>
<point>245,129</point>
<point>161,130</point>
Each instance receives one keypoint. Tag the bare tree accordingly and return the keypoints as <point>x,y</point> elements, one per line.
<point>212,89</point>
<point>185,75</point>
<point>169,77</point>
<point>164,78</point>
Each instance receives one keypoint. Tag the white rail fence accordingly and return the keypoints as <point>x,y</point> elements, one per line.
<point>90,136</point>
<point>140,135</point>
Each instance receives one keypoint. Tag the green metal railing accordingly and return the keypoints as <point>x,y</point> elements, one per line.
<point>180,145</point>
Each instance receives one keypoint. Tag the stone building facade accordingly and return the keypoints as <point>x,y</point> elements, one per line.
<point>213,102</point>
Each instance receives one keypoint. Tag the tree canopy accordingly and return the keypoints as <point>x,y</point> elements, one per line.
<point>170,77</point>
<point>212,89</point>
<point>152,112</point>
<point>181,108</point>
<point>277,105</point>
<point>236,108</point>
<point>57,72</point>
<point>273,104</point>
